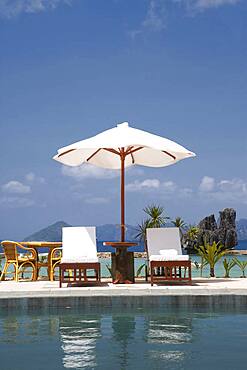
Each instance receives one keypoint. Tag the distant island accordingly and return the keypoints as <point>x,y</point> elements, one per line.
<point>110,232</point>
<point>242,229</point>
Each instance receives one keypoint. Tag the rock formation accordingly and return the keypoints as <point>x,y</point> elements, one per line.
<point>225,232</point>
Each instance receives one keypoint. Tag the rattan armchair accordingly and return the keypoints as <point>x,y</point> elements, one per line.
<point>53,262</point>
<point>20,258</point>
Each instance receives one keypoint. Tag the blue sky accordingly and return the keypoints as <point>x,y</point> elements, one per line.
<point>70,69</point>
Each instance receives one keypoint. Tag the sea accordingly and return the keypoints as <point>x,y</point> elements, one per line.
<point>242,245</point>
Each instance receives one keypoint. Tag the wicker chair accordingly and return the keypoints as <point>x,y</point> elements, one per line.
<point>26,258</point>
<point>53,262</point>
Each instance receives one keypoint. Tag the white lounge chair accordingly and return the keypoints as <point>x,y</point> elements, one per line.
<point>79,254</point>
<point>165,256</point>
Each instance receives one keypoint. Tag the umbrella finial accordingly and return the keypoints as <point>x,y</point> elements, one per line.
<point>123,124</point>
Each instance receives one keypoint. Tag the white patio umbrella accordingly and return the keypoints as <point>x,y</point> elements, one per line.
<point>120,147</point>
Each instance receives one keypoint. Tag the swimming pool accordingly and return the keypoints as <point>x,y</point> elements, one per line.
<point>141,338</point>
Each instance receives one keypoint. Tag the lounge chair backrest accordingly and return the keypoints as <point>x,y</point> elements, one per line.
<point>79,242</point>
<point>163,238</point>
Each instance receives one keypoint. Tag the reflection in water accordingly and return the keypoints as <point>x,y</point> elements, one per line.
<point>122,341</point>
<point>78,341</point>
<point>123,328</point>
<point>167,332</point>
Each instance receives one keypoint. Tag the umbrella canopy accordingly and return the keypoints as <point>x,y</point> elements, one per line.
<point>120,147</point>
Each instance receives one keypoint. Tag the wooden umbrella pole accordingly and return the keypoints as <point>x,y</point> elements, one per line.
<point>122,157</point>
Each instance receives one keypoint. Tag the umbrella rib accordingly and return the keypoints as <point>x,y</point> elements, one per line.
<point>112,151</point>
<point>134,150</point>
<point>129,150</point>
<point>68,151</point>
<point>171,155</point>
<point>91,156</point>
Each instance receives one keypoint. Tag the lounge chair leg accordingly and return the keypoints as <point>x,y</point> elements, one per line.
<point>60,277</point>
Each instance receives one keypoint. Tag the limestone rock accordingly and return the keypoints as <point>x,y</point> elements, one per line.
<point>225,232</point>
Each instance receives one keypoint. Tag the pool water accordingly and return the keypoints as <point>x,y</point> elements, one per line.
<point>111,340</point>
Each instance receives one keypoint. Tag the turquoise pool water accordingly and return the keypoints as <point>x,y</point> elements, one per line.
<point>107,340</point>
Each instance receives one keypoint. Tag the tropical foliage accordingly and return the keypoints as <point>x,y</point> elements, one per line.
<point>180,223</point>
<point>211,254</point>
<point>242,265</point>
<point>191,238</point>
<point>228,265</point>
<point>156,216</point>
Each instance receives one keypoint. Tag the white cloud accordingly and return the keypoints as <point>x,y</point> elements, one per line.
<point>88,171</point>
<point>207,184</point>
<point>234,185</point>
<point>16,187</point>
<point>12,8</point>
<point>169,186</point>
<point>206,4</point>
<point>185,192</point>
<point>233,191</point>
<point>32,178</point>
<point>166,187</point>
<point>16,202</point>
<point>155,19</point>
<point>143,185</point>
<point>158,12</point>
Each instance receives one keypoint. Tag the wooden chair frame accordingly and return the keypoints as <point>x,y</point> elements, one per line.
<point>173,271</point>
<point>77,272</point>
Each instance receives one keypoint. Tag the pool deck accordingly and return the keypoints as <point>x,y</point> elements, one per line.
<point>200,287</point>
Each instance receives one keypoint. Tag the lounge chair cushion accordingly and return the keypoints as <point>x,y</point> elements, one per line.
<point>80,260</point>
<point>159,257</point>
<point>169,252</point>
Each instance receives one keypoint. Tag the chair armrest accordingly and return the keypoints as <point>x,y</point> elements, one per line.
<point>31,250</point>
<point>56,253</point>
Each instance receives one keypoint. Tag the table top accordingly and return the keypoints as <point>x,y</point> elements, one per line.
<point>42,244</point>
<point>120,244</point>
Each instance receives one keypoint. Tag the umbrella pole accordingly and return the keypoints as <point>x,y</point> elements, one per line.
<point>122,156</point>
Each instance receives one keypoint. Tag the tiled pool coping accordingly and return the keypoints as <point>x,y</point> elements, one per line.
<point>220,293</point>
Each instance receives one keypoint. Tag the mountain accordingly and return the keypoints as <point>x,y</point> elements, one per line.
<point>112,232</point>
<point>242,229</point>
<point>52,233</point>
<point>108,232</point>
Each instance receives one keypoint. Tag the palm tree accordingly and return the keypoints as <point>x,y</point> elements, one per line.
<point>155,218</point>
<point>180,223</point>
<point>190,237</point>
<point>211,254</point>
<point>141,232</point>
<point>242,265</point>
<point>142,236</point>
<point>156,215</point>
<point>228,265</point>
